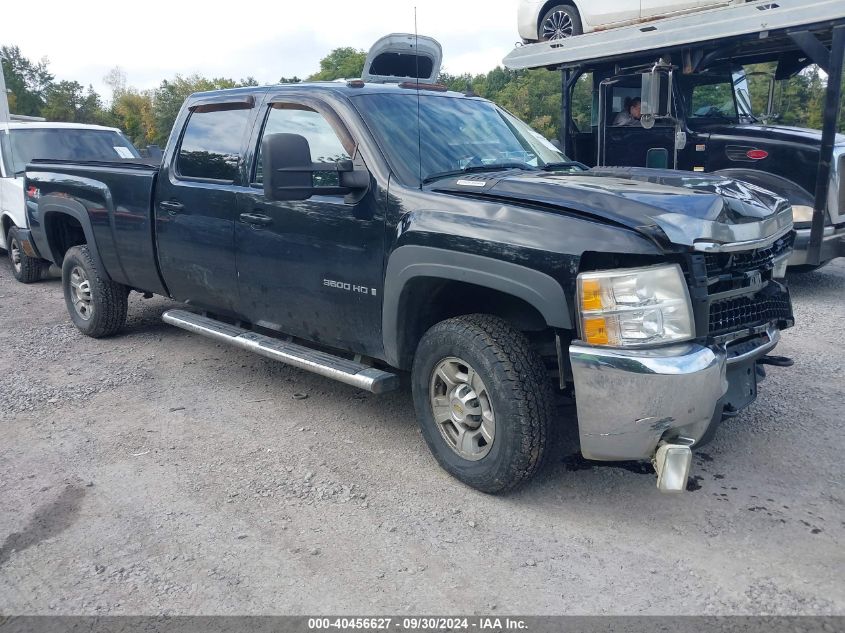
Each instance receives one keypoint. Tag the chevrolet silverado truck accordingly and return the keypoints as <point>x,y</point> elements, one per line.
<point>359,230</point>
<point>23,140</point>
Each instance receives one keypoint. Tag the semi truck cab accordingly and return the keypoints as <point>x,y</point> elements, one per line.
<point>696,113</point>
<point>705,122</point>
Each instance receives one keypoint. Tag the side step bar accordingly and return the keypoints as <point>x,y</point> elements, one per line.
<point>335,367</point>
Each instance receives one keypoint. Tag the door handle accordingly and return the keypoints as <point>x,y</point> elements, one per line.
<point>171,207</point>
<point>256,219</point>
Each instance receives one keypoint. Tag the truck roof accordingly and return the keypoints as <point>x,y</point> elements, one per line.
<point>348,87</point>
<point>757,20</point>
<point>53,125</point>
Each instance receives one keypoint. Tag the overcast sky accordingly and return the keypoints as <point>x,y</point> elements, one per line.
<point>153,40</point>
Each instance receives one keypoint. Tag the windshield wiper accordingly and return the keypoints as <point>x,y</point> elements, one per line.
<point>477,168</point>
<point>564,164</point>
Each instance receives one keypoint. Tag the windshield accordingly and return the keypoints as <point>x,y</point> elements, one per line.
<point>456,134</point>
<point>711,97</point>
<point>68,144</point>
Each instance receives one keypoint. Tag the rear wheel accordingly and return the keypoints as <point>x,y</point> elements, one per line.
<point>560,22</point>
<point>483,401</point>
<point>97,305</point>
<point>26,269</point>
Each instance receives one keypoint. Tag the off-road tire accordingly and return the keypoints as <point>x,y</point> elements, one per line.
<point>109,300</point>
<point>520,393</point>
<point>28,270</point>
<point>570,11</point>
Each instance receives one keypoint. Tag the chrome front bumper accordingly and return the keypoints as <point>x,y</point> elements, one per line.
<point>833,245</point>
<point>630,400</point>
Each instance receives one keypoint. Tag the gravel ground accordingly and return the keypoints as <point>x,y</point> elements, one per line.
<point>162,473</point>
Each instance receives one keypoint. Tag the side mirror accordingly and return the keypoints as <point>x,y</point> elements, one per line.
<point>656,96</point>
<point>286,167</point>
<point>290,174</point>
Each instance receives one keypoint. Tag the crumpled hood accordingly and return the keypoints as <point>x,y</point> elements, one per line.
<point>688,207</point>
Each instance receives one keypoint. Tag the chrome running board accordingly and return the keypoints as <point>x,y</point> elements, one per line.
<point>322,363</point>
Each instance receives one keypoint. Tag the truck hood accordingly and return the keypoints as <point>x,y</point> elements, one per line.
<point>785,133</point>
<point>688,207</point>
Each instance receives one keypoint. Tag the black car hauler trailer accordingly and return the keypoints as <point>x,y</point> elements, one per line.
<point>684,49</point>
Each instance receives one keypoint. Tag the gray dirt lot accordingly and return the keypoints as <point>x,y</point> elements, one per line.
<point>158,472</point>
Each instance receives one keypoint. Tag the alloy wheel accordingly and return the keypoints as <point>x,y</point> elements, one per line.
<point>15,250</point>
<point>462,408</point>
<point>80,293</point>
<point>558,26</point>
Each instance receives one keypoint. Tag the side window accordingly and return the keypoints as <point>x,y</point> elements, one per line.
<point>623,99</point>
<point>713,100</point>
<point>584,103</point>
<point>211,145</point>
<point>326,146</point>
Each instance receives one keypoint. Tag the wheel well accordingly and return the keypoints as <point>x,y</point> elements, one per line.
<point>553,3</point>
<point>426,301</point>
<point>7,225</point>
<point>63,231</point>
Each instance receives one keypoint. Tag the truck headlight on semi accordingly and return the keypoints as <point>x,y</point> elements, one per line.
<point>802,214</point>
<point>635,307</point>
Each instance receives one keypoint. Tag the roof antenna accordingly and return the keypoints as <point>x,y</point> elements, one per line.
<point>419,119</point>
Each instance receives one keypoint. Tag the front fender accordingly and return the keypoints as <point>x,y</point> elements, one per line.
<point>537,289</point>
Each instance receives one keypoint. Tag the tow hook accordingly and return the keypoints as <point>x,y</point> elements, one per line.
<point>672,463</point>
<point>776,361</point>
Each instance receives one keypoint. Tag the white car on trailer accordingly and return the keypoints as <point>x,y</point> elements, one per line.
<point>545,20</point>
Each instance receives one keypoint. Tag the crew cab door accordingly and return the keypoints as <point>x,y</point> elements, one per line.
<point>196,205</point>
<point>630,145</point>
<point>311,268</point>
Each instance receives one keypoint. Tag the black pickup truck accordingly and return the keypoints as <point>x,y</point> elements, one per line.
<point>358,230</point>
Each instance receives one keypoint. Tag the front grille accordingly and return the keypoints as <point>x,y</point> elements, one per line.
<point>735,293</point>
<point>720,264</point>
<point>739,313</point>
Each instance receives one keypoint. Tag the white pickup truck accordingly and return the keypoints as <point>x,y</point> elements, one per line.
<point>23,141</point>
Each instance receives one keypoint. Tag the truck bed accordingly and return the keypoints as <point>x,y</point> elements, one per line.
<point>117,197</point>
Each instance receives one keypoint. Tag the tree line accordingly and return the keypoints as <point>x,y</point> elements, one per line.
<point>147,116</point>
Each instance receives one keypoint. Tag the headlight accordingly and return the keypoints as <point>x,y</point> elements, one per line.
<point>635,307</point>
<point>802,214</point>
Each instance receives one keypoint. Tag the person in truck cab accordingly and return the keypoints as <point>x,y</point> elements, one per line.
<point>630,116</point>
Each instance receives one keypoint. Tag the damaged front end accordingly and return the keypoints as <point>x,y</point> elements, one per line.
<point>656,402</point>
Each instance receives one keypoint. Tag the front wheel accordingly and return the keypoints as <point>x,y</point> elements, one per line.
<point>97,305</point>
<point>560,22</point>
<point>26,269</point>
<point>483,401</point>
